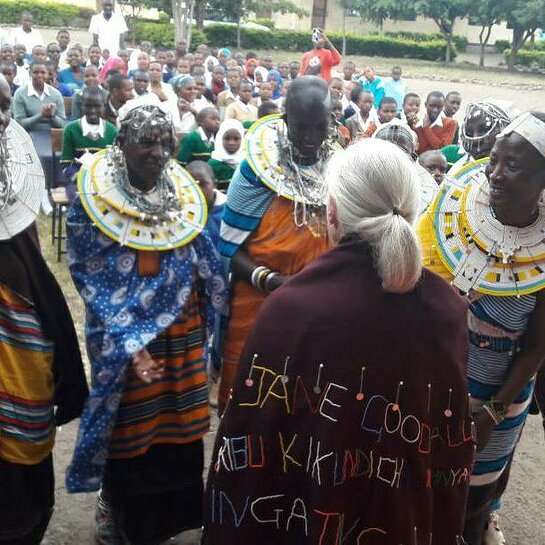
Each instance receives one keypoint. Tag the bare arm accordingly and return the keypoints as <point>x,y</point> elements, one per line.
<point>525,366</point>
<point>527,362</point>
<point>243,266</point>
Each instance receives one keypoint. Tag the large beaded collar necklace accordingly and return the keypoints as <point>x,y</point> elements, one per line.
<point>271,156</point>
<point>481,253</point>
<point>169,216</point>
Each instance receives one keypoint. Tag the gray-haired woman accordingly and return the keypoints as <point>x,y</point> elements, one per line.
<point>349,417</point>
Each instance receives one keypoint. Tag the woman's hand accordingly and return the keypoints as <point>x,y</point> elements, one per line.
<point>412,119</point>
<point>146,368</point>
<point>484,426</point>
<point>158,90</point>
<point>185,106</point>
<point>47,110</point>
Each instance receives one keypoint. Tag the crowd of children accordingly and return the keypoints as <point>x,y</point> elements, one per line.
<point>213,96</point>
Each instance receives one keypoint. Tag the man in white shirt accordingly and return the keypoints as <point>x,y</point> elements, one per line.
<point>3,37</point>
<point>108,28</point>
<point>22,76</point>
<point>25,34</point>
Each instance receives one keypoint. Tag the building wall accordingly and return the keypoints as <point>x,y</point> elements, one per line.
<point>334,22</point>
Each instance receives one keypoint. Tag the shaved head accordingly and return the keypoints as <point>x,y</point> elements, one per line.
<point>308,116</point>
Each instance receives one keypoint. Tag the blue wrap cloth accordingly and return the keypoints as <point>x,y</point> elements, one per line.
<point>124,313</point>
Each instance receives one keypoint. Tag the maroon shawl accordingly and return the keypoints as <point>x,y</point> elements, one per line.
<point>346,456</point>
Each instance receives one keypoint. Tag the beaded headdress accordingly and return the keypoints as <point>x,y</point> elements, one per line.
<point>494,116</point>
<point>22,181</point>
<point>170,215</point>
<point>483,254</point>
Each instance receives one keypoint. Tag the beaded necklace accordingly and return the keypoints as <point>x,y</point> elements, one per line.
<point>5,175</point>
<point>163,208</point>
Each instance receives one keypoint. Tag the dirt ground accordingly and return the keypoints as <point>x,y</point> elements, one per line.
<point>522,515</point>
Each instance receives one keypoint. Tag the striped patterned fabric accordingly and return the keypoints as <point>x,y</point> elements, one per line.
<point>247,201</point>
<point>175,408</point>
<point>26,383</point>
<point>496,325</point>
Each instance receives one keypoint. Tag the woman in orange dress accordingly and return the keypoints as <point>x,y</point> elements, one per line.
<point>274,218</point>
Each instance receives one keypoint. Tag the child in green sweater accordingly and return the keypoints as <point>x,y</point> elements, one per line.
<point>199,144</point>
<point>228,152</point>
<point>86,135</point>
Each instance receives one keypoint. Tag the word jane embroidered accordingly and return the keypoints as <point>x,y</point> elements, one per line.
<point>285,452</point>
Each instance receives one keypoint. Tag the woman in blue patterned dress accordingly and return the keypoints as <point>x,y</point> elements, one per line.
<point>507,345</point>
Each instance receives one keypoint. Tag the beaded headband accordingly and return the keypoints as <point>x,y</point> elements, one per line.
<point>530,128</point>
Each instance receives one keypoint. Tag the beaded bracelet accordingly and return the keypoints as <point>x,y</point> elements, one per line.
<point>259,277</point>
<point>268,279</point>
<point>262,278</point>
<point>255,274</point>
<point>497,415</point>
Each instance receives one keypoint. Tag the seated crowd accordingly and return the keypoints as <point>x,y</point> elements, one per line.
<point>212,95</point>
<point>351,237</point>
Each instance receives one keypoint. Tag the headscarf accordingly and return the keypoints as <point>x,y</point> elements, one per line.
<point>531,128</point>
<point>208,73</point>
<point>113,63</point>
<point>215,63</point>
<point>277,93</point>
<point>400,135</point>
<point>226,51</point>
<point>246,66</point>
<point>263,71</point>
<point>180,80</point>
<point>220,153</point>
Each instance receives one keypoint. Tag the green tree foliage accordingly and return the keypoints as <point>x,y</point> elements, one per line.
<point>52,14</point>
<point>443,12</point>
<point>487,13</point>
<point>524,17</point>
<point>237,10</point>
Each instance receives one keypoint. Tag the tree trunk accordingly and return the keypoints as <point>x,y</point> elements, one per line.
<point>447,28</point>
<point>448,52</point>
<point>177,19</point>
<point>199,13</point>
<point>189,22</point>
<point>484,36</point>
<point>344,33</point>
<point>519,38</point>
<point>182,13</point>
<point>238,34</point>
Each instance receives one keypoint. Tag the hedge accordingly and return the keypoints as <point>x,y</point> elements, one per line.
<point>502,45</point>
<point>162,34</point>
<point>527,57</point>
<point>459,41</point>
<point>226,35</point>
<point>51,14</point>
